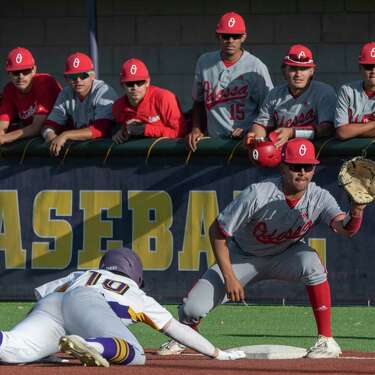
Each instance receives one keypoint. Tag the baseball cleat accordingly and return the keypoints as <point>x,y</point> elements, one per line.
<point>171,347</point>
<point>78,348</point>
<point>325,347</point>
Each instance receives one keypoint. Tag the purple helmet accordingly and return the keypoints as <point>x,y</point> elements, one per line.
<point>125,261</point>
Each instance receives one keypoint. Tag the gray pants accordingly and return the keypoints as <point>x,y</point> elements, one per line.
<point>298,263</point>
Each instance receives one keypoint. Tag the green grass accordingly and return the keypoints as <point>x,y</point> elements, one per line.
<point>232,325</point>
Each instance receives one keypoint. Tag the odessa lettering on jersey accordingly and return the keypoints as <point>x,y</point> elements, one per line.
<point>216,96</point>
<point>232,95</point>
<point>313,106</point>
<point>354,105</point>
<point>261,222</point>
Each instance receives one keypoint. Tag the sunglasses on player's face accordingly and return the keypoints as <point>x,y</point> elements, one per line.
<point>368,66</point>
<point>135,83</point>
<point>24,72</point>
<point>74,77</point>
<point>299,167</point>
<point>233,36</point>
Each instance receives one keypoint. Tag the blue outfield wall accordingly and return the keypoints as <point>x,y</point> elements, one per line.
<point>59,214</point>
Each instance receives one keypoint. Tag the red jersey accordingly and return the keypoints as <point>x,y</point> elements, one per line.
<point>19,107</point>
<point>159,110</point>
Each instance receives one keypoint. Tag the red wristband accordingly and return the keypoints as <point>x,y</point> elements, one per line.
<point>353,225</point>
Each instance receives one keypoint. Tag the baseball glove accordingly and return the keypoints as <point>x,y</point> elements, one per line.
<point>357,177</point>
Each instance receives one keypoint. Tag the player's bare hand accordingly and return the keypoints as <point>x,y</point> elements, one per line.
<point>121,135</point>
<point>3,139</point>
<point>283,135</point>
<point>57,144</point>
<point>50,136</point>
<point>356,209</point>
<point>237,133</point>
<point>193,138</point>
<point>249,140</point>
<point>234,289</point>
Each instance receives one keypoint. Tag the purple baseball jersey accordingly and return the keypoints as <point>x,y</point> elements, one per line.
<point>261,222</point>
<point>313,106</point>
<point>232,95</point>
<point>354,105</point>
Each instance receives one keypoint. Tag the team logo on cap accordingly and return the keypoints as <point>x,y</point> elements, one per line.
<point>231,22</point>
<point>255,154</point>
<point>19,58</point>
<point>133,69</point>
<point>302,150</point>
<point>301,55</point>
<point>76,62</point>
<point>372,52</point>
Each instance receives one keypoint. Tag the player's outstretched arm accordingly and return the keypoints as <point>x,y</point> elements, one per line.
<point>194,340</point>
<point>350,224</point>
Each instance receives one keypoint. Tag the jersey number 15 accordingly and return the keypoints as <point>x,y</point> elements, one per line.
<point>237,111</point>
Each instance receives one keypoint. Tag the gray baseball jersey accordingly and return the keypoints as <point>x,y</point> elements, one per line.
<point>96,106</point>
<point>354,105</point>
<point>282,109</point>
<point>261,223</point>
<point>232,95</point>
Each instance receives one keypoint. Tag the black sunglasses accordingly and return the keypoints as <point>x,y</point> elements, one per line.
<point>299,167</point>
<point>368,66</point>
<point>24,72</point>
<point>82,76</point>
<point>233,36</point>
<point>133,83</point>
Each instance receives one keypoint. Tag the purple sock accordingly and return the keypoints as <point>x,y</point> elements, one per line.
<point>116,350</point>
<point>1,338</point>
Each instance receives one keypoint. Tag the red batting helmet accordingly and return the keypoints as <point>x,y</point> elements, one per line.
<point>299,151</point>
<point>299,55</point>
<point>78,62</point>
<point>231,23</point>
<point>19,59</point>
<point>265,154</point>
<point>134,70</point>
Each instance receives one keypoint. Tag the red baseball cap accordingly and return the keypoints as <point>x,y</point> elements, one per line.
<point>231,23</point>
<point>367,55</point>
<point>134,70</point>
<point>18,59</point>
<point>299,151</point>
<point>299,55</point>
<point>78,62</point>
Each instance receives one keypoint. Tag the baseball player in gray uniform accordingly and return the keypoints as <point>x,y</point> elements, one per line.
<point>229,85</point>
<point>86,314</point>
<point>300,108</point>
<point>355,109</point>
<point>83,110</point>
<point>259,236</point>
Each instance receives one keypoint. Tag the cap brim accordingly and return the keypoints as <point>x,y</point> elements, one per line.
<point>305,161</point>
<point>134,79</point>
<point>301,65</point>
<point>367,62</point>
<point>233,32</point>
<point>30,66</point>
<point>75,71</point>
